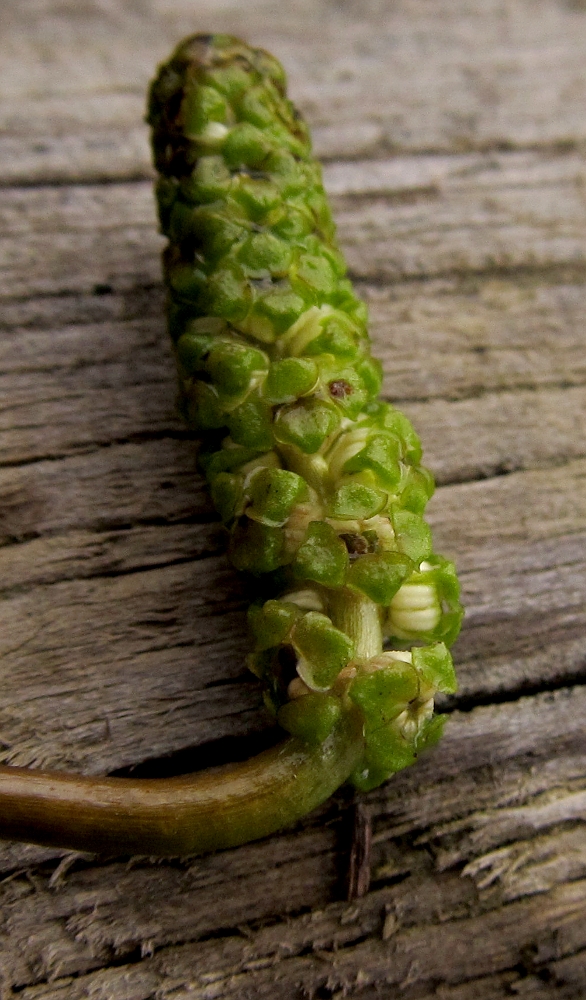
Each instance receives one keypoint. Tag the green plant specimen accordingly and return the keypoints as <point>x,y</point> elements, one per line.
<point>317,480</point>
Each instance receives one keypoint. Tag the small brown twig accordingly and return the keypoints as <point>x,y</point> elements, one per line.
<point>359,873</point>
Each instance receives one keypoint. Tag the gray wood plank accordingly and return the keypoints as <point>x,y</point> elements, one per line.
<point>480,213</point>
<point>132,510</point>
<point>563,979</point>
<point>109,632</point>
<point>441,337</point>
<point>465,802</point>
<point>101,673</point>
<point>502,365</point>
<point>122,624</point>
<point>372,78</point>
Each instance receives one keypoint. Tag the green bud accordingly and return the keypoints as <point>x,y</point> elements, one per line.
<point>261,664</point>
<point>317,202</point>
<point>311,717</point>
<point>246,146</point>
<point>323,650</point>
<point>273,494</point>
<point>395,700</point>
<point>436,668</point>
<point>257,107</point>
<point>281,136</point>
<point>397,423</point>
<point>251,424</point>
<point>280,305</point>
<point>451,624</point>
<point>347,390</point>
<point>306,425</point>
<point>431,732</point>
<point>370,372</point>
<point>288,172</point>
<point>256,196</point>
<point>388,753</point>
<point>293,224</point>
<point>192,349</point>
<point>314,277</point>
<point>232,366</point>
<point>384,693</point>
<point>388,750</point>
<point>446,578</point>
<point>418,487</point>
<point>271,624</point>
<point>209,225</point>
<point>345,299</point>
<point>289,379</point>
<point>227,496</point>
<point>442,574</point>
<point>219,229</point>
<point>366,776</point>
<point>264,252</point>
<point>267,65</point>
<point>200,106</point>
<point>338,336</point>
<point>381,454</point>
<point>412,533</point>
<point>230,80</point>
<point>380,575</point>
<point>186,280</point>
<point>225,460</point>
<point>354,500</point>
<point>182,321</point>
<point>322,556</point>
<point>204,409</point>
<point>209,181</point>
<point>331,253</point>
<point>256,547</point>
<point>227,293</point>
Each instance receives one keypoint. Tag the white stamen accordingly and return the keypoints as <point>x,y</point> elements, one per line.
<point>297,689</point>
<point>307,600</point>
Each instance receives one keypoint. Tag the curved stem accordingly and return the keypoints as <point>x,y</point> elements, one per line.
<point>190,814</point>
<point>194,813</point>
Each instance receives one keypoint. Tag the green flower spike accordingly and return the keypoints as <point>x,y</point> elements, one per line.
<point>318,482</point>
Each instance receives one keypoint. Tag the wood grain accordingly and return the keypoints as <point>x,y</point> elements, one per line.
<point>479,213</point>
<point>453,135</point>
<point>372,77</point>
<point>450,896</point>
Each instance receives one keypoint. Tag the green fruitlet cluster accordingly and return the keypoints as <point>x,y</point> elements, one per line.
<point>318,482</point>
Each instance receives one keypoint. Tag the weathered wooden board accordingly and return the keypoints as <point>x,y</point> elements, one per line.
<point>130,518</point>
<point>122,625</point>
<point>81,685</point>
<point>80,383</point>
<point>478,213</point>
<point>373,77</point>
<point>478,868</point>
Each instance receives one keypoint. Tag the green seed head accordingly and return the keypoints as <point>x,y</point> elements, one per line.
<point>318,482</point>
